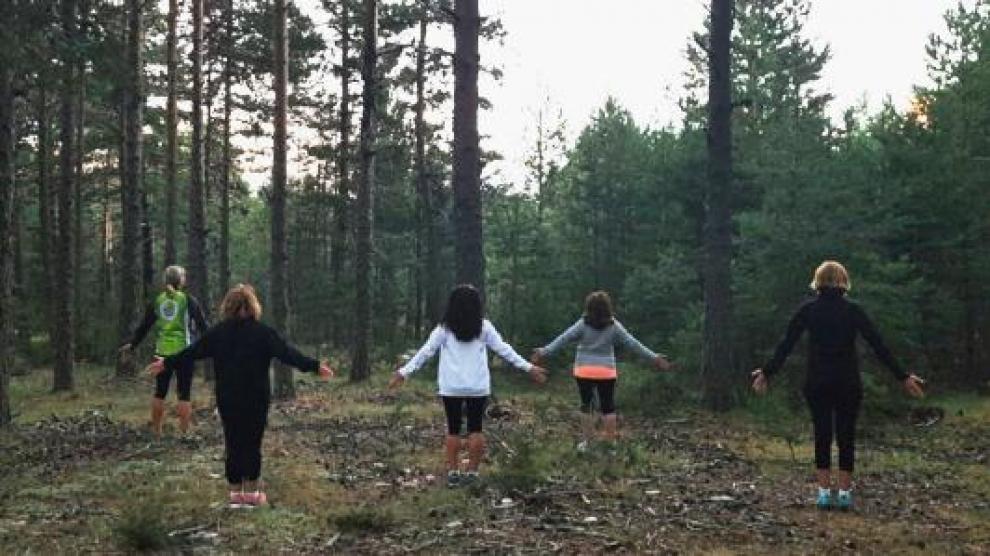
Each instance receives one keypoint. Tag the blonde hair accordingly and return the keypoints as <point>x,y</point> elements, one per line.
<point>241,302</point>
<point>831,274</point>
<point>175,278</point>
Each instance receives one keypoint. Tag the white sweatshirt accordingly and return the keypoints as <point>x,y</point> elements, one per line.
<point>464,365</point>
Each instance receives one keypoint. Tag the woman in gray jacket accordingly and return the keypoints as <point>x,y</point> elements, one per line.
<point>597,333</point>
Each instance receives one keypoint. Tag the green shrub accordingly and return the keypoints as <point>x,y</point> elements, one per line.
<point>141,526</point>
<point>522,469</point>
<point>364,519</point>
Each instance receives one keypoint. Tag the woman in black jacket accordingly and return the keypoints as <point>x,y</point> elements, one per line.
<point>242,349</point>
<point>834,388</point>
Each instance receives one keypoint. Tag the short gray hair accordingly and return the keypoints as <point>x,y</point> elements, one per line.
<point>174,276</point>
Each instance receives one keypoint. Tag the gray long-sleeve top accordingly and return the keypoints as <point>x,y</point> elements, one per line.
<point>597,347</point>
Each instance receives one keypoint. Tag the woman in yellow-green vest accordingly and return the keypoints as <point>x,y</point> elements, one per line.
<point>177,318</point>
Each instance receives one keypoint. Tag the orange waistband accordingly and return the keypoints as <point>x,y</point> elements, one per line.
<point>595,371</point>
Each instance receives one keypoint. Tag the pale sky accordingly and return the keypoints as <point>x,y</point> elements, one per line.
<point>576,53</point>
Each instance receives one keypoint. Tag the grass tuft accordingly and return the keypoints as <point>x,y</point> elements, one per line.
<point>142,527</point>
<point>364,519</point>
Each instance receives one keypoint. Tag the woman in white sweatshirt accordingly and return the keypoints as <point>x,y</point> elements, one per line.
<point>462,338</point>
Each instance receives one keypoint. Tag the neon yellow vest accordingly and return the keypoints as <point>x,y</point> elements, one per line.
<point>172,324</point>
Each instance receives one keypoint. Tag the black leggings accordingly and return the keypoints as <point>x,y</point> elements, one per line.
<point>606,394</point>
<point>454,407</point>
<point>834,408</point>
<point>183,383</point>
<point>243,429</point>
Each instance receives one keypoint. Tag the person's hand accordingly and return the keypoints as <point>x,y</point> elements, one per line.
<point>912,385</point>
<point>759,382</point>
<point>396,381</point>
<point>662,364</point>
<point>538,374</point>
<point>125,348</point>
<point>156,367</point>
<point>536,358</point>
<point>326,371</point>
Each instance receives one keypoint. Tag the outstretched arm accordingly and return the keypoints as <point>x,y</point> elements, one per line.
<point>794,330</point>
<point>424,354</point>
<point>872,336</point>
<point>494,340</point>
<point>572,334</point>
<point>288,354</point>
<point>200,349</point>
<point>629,341</point>
<point>198,315</point>
<point>142,330</point>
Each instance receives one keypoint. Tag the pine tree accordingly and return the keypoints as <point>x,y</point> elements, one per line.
<point>467,152</point>
<point>363,221</point>
<point>717,236</point>
<point>284,386</point>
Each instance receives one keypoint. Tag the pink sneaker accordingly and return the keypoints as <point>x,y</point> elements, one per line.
<point>256,498</point>
<point>236,499</point>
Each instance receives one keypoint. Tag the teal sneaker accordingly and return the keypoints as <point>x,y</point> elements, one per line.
<point>824,501</point>
<point>844,502</point>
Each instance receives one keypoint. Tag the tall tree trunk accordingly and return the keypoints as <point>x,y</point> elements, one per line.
<point>467,153</point>
<point>364,221</point>
<point>21,313</point>
<point>106,236</point>
<point>147,248</point>
<point>717,357</point>
<point>7,188</point>
<point>338,242</point>
<point>284,386</point>
<point>77,220</point>
<point>198,274</point>
<point>46,205</point>
<point>130,192</point>
<point>64,340</point>
<point>171,133</point>
<point>428,235</point>
<point>225,182</point>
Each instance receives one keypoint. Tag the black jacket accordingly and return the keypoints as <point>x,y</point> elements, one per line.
<point>242,351</point>
<point>833,323</point>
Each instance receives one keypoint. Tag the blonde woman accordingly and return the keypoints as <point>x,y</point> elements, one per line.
<point>833,388</point>
<point>242,349</point>
<point>177,318</point>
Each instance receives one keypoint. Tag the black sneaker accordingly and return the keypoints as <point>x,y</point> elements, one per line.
<point>454,478</point>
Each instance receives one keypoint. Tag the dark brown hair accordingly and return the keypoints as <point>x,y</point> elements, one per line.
<point>598,312</point>
<point>241,302</point>
<point>464,315</point>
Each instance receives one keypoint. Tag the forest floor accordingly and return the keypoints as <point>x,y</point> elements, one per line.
<point>353,469</point>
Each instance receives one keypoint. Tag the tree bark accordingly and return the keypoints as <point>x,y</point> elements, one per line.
<point>7,188</point>
<point>130,192</point>
<point>225,182</point>
<point>77,219</point>
<point>198,274</point>
<point>171,133</point>
<point>467,153</point>
<point>338,242</point>
<point>46,204</point>
<point>63,294</point>
<point>717,357</point>
<point>428,233</point>
<point>361,361</point>
<point>284,386</point>
<point>147,249</point>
